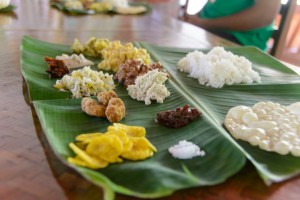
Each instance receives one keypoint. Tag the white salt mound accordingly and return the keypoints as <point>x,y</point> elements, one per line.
<point>185,150</point>
<point>218,67</point>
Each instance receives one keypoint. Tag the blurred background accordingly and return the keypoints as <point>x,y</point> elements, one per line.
<point>290,50</point>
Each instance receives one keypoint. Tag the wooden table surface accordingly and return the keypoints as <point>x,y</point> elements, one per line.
<point>28,168</point>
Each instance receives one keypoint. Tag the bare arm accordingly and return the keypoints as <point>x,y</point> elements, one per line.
<point>262,13</point>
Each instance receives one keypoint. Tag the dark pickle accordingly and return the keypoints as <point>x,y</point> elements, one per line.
<point>179,117</point>
<point>57,68</point>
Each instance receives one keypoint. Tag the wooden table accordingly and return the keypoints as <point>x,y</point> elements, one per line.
<point>28,168</point>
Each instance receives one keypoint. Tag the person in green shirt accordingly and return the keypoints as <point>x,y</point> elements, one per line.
<point>247,22</point>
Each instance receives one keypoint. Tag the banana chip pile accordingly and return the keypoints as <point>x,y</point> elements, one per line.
<point>98,150</point>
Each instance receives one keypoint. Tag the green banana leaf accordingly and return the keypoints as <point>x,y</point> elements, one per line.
<point>62,119</point>
<point>279,84</point>
<point>60,6</point>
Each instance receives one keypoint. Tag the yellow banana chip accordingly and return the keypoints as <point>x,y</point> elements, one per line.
<point>89,161</point>
<point>127,144</point>
<point>140,149</point>
<point>132,131</point>
<point>97,150</point>
<point>87,136</point>
<point>106,147</point>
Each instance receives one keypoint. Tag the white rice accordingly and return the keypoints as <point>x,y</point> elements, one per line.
<point>218,67</point>
<point>185,150</point>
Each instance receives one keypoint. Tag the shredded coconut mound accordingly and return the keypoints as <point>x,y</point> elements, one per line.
<point>185,150</point>
<point>218,67</point>
<point>149,86</point>
<point>85,82</point>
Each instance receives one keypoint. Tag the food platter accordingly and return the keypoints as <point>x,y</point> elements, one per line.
<point>62,119</point>
<point>60,6</point>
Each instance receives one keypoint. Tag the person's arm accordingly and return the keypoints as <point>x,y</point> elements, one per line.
<point>262,13</point>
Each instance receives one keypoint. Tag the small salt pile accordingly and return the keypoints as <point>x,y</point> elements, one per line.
<point>185,150</point>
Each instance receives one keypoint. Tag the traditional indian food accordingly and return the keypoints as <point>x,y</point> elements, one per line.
<point>268,125</point>
<point>149,86</point>
<point>98,150</point>
<point>218,68</point>
<point>109,106</point>
<point>85,82</point>
<point>56,68</point>
<point>74,60</point>
<point>115,54</point>
<point>179,117</point>
<point>131,69</point>
<point>93,47</point>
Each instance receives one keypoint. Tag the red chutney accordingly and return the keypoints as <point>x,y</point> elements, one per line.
<point>178,117</point>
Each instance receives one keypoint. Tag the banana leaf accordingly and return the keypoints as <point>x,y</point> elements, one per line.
<point>161,175</point>
<point>60,6</point>
<point>279,84</point>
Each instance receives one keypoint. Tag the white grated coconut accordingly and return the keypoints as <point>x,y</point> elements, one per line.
<point>186,150</point>
<point>85,82</point>
<point>218,67</point>
<point>149,86</point>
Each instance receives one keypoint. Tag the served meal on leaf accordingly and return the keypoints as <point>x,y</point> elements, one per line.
<point>99,6</point>
<point>143,80</point>
<point>270,126</point>
<point>92,119</point>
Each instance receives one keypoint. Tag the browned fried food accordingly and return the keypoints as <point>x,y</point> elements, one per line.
<point>115,110</point>
<point>131,69</point>
<point>57,68</point>
<point>91,107</point>
<point>105,96</point>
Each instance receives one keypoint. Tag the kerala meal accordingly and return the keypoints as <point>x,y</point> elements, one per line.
<point>109,106</point>
<point>74,60</point>
<point>131,69</point>
<point>113,53</point>
<point>149,86</point>
<point>179,117</point>
<point>93,47</point>
<point>85,82</point>
<point>186,150</point>
<point>268,125</point>
<point>218,68</point>
<point>56,68</point>
<point>118,6</point>
<point>120,141</point>
<point>60,65</point>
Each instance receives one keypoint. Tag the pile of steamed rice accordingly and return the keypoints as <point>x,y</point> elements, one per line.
<point>218,67</point>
